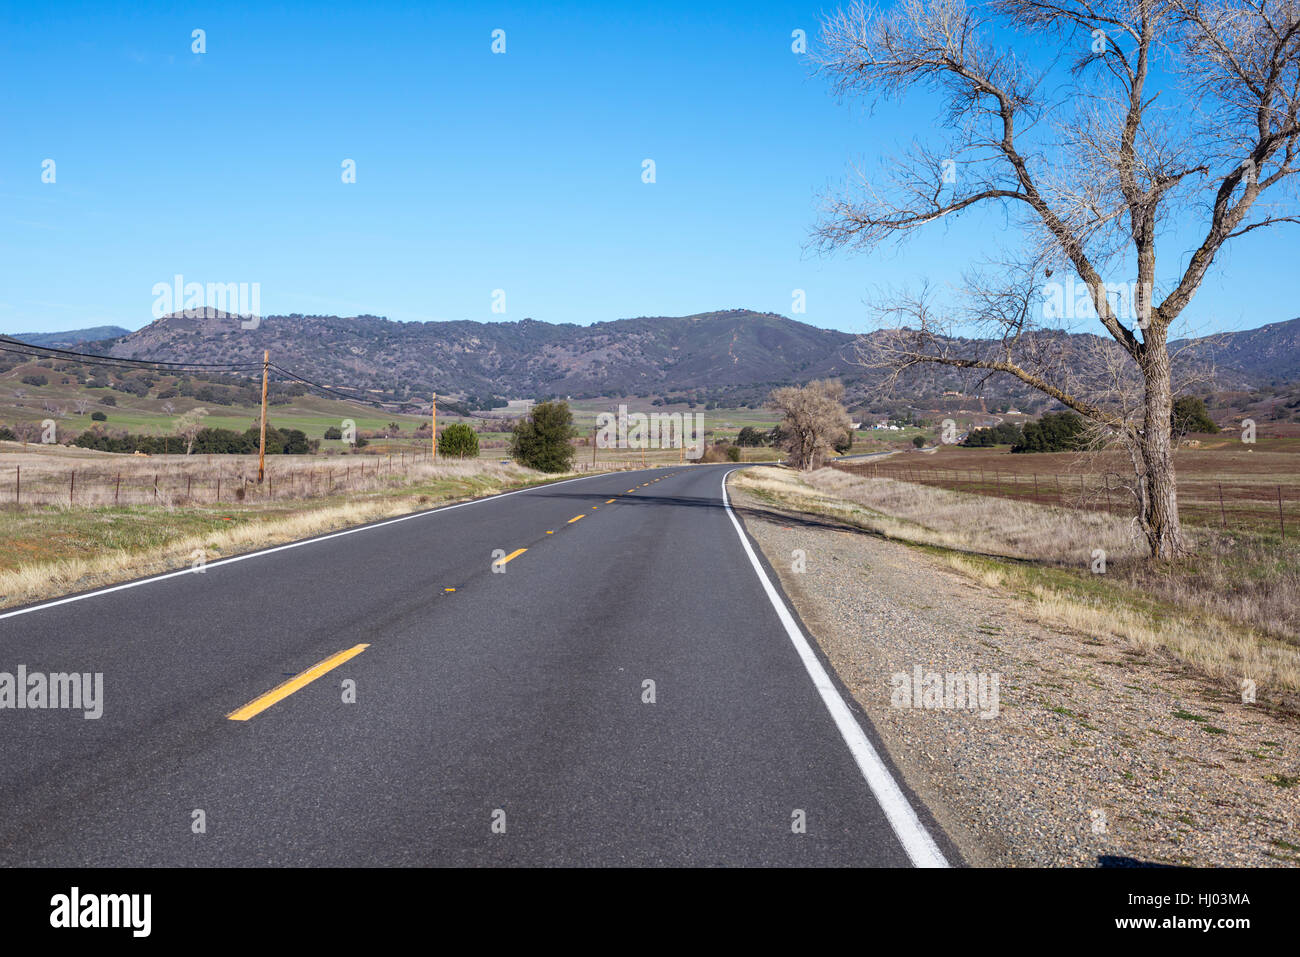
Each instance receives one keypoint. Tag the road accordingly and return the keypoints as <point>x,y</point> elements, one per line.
<point>501,717</point>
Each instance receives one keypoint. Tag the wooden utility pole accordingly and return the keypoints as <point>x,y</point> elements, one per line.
<point>261,450</point>
<point>593,446</point>
<point>433,428</point>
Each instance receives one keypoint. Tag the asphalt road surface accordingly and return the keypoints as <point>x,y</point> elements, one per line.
<point>501,717</point>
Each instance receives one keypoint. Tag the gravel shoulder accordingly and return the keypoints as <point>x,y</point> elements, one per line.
<point>1099,754</point>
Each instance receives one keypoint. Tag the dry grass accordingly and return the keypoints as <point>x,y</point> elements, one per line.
<point>1226,618</point>
<point>59,476</point>
<point>166,538</point>
<point>1225,653</point>
<point>990,525</point>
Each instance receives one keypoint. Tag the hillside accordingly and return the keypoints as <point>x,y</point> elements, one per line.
<point>732,357</point>
<point>73,337</point>
<point>730,351</point>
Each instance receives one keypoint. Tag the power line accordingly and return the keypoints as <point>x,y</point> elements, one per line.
<point>31,350</point>
<point>324,388</point>
<point>91,358</point>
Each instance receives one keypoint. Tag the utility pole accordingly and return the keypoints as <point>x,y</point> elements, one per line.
<point>593,446</point>
<point>261,450</point>
<point>433,426</point>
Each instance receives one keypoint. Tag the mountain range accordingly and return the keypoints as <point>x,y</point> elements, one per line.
<point>729,357</point>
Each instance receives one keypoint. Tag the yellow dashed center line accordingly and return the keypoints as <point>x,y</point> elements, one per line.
<point>608,500</point>
<point>260,704</point>
<point>513,555</point>
<point>575,518</point>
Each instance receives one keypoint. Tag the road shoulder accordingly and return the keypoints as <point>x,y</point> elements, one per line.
<point>1099,754</point>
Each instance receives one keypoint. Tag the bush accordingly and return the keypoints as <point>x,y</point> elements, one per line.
<point>458,440</point>
<point>1189,415</point>
<point>37,380</point>
<point>7,434</point>
<point>918,441</point>
<point>333,432</point>
<point>733,453</point>
<point>1008,433</point>
<point>542,440</point>
<point>1054,432</point>
<point>98,416</point>
<point>108,400</point>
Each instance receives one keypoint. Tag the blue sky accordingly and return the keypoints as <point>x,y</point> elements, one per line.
<point>475,171</point>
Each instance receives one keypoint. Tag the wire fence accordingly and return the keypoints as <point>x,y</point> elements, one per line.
<point>179,480</point>
<point>1232,503</point>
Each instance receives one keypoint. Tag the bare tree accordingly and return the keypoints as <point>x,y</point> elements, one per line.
<point>1172,115</point>
<point>81,405</point>
<point>814,419</point>
<point>189,425</point>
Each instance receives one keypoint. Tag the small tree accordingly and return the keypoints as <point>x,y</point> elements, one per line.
<point>814,419</point>
<point>542,441</point>
<point>189,425</point>
<point>458,440</point>
<point>1189,415</point>
<point>918,441</point>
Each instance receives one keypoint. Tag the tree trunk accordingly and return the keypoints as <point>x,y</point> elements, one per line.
<point>1160,522</point>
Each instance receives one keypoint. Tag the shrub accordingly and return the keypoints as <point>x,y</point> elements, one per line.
<point>918,441</point>
<point>37,380</point>
<point>542,440</point>
<point>1189,415</point>
<point>458,440</point>
<point>733,453</point>
<point>1054,432</point>
<point>98,416</point>
<point>1008,433</point>
<point>333,432</point>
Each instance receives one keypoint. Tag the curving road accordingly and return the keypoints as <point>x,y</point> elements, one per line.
<point>500,717</point>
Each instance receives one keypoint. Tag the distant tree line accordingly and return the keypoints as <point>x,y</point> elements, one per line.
<point>1064,431</point>
<point>208,441</point>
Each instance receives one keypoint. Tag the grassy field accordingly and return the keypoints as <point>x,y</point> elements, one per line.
<point>1221,480</point>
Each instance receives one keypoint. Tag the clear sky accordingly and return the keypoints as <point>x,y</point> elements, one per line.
<point>475,171</point>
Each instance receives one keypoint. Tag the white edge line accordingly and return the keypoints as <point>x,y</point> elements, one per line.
<point>279,548</point>
<point>911,833</point>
